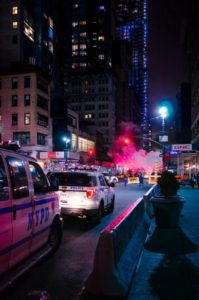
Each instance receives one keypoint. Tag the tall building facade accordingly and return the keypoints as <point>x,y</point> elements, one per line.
<point>27,34</point>
<point>132,25</point>
<point>96,78</point>
<point>28,71</point>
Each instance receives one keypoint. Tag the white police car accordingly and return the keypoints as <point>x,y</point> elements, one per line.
<point>29,215</point>
<point>84,193</point>
<point>110,178</point>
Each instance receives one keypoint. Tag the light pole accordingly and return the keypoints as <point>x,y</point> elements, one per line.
<point>163,114</point>
<point>67,141</point>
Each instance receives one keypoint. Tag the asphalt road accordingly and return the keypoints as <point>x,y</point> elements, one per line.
<point>64,274</point>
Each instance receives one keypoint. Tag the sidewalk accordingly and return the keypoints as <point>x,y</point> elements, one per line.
<point>164,277</point>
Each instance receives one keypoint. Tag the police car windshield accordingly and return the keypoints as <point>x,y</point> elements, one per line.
<point>73,179</point>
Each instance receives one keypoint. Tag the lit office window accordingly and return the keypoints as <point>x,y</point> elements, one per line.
<point>75,47</point>
<point>50,46</point>
<point>83,22</point>
<point>14,24</point>
<point>101,56</point>
<point>88,116</point>
<point>50,22</point>
<point>82,34</point>
<point>101,7</point>
<point>101,38</point>
<point>83,65</point>
<point>74,66</point>
<point>83,46</point>
<point>74,53</point>
<point>74,24</point>
<point>28,30</point>
<point>83,53</point>
<point>14,10</point>
<point>27,118</point>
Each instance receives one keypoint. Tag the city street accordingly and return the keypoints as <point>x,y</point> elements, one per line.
<point>63,275</point>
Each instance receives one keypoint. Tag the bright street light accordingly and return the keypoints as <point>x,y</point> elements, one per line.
<point>163,113</point>
<point>67,141</point>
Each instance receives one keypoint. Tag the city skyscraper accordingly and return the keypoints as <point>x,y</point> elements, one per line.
<point>132,25</point>
<point>30,61</point>
<point>97,67</point>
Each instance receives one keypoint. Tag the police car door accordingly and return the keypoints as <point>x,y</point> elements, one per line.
<point>105,189</point>
<point>21,207</point>
<point>5,219</point>
<point>44,207</point>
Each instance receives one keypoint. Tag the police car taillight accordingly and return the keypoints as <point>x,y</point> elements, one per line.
<point>90,193</point>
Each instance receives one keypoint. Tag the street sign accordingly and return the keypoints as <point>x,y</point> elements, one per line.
<point>182,147</point>
<point>163,138</point>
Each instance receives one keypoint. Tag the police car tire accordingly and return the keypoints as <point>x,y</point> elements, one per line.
<point>55,236</point>
<point>100,212</point>
<point>111,207</point>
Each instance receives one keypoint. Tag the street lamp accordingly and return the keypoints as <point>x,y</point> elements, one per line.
<point>163,111</point>
<point>67,141</point>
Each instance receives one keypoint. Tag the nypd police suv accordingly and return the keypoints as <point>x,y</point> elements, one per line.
<point>30,223</point>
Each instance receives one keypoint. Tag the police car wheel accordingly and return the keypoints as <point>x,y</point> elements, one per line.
<point>55,236</point>
<point>100,212</point>
<point>111,207</point>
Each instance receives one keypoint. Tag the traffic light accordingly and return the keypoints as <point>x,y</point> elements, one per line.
<point>125,141</point>
<point>90,152</point>
<point>166,156</point>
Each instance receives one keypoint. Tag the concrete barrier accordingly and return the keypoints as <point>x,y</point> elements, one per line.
<point>154,190</point>
<point>118,251</point>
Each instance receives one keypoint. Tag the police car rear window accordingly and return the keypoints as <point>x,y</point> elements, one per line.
<point>73,179</point>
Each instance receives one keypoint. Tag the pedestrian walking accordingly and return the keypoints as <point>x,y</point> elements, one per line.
<point>141,179</point>
<point>125,180</point>
<point>193,181</point>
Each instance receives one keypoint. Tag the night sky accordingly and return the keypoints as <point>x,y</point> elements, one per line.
<point>167,21</point>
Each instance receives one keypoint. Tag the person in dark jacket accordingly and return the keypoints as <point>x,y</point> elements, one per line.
<point>193,181</point>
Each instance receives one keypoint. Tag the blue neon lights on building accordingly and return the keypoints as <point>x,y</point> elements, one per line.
<point>133,26</point>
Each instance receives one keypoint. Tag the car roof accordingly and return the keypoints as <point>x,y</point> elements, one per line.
<point>76,172</point>
<point>19,153</point>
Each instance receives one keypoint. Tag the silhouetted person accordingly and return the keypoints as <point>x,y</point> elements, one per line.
<point>125,181</point>
<point>193,181</point>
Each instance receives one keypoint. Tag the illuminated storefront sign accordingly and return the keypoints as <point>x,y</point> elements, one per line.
<point>182,147</point>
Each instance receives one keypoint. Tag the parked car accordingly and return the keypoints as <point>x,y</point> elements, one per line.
<point>84,193</point>
<point>29,215</point>
<point>111,178</point>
